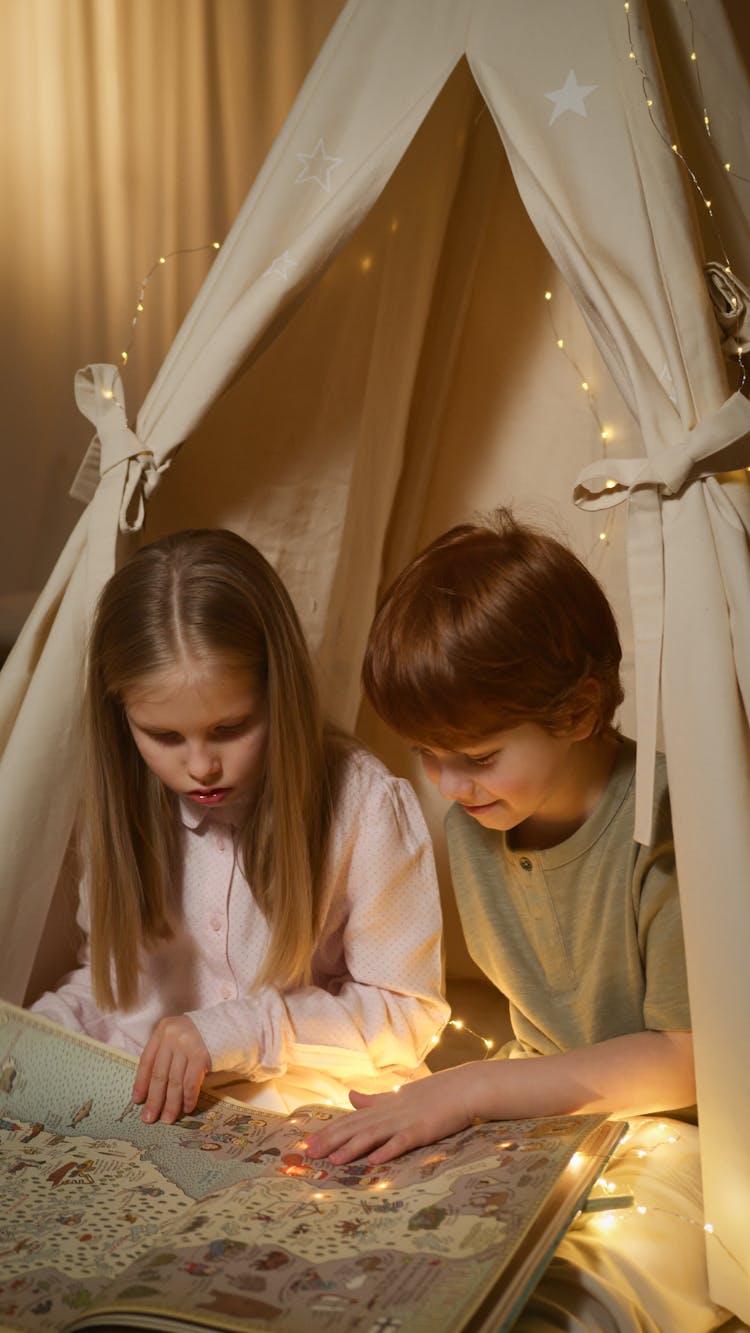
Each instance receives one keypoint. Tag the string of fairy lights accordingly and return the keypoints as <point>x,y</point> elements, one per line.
<point>156,268</point>
<point>605,431</point>
<point>611,1203</point>
<point>673,146</point>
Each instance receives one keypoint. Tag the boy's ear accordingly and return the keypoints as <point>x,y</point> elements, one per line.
<point>587,707</point>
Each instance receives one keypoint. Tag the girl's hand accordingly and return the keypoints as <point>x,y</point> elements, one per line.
<point>393,1122</point>
<point>171,1070</point>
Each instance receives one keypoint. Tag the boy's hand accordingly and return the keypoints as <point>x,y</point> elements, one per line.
<point>171,1070</point>
<point>393,1122</point>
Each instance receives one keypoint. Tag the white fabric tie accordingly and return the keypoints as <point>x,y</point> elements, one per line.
<point>100,397</point>
<point>719,443</point>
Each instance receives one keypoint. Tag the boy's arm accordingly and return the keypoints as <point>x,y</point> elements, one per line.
<point>626,1076</point>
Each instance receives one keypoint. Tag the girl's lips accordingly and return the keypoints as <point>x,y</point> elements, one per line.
<point>211,796</point>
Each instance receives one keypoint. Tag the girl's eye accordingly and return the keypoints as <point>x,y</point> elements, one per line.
<point>230,728</point>
<point>481,761</point>
<point>166,737</point>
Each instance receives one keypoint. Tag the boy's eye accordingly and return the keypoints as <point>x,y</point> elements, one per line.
<point>481,760</point>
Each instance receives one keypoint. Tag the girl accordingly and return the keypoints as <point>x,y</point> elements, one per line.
<point>260,895</point>
<point>497,655</point>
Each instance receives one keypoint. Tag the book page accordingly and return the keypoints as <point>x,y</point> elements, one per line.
<point>223,1217</point>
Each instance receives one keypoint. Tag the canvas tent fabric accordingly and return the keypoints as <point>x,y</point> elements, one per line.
<point>304,397</point>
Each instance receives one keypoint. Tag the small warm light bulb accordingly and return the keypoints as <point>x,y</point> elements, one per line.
<point>605,1222</point>
<point>489,1043</point>
<point>107,393</point>
<point>602,536</point>
<point>434,1040</point>
<point>706,120</point>
<point>675,148</point>
<point>631,53</point>
<point>365,263</point>
<point>626,6</point>
<point>548,296</point>
<point>707,202</point>
<point>139,305</point>
<point>604,434</point>
<point>693,55</point>
<point>727,166</point>
<point>610,484</point>
<point>649,101</point>
<point>560,343</point>
<point>457,1023</point>
<point>328,1101</point>
<point>397,1087</point>
<point>640,1208</point>
<point>394,224</point>
<point>216,245</point>
<point>124,356</point>
<point>319,1195</point>
<point>585,386</point>
<point>162,259</point>
<point>640,1152</point>
<point>576,1159</point>
<point>709,1228</point>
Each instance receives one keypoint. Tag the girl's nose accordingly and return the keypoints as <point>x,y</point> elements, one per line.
<point>203,765</point>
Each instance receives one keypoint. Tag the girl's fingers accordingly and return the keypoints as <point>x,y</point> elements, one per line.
<point>165,1090</point>
<point>145,1070</point>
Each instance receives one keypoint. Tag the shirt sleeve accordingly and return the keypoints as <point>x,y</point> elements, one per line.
<point>72,1004</point>
<point>378,1001</point>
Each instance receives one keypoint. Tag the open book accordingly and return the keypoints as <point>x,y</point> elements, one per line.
<point>221,1222</point>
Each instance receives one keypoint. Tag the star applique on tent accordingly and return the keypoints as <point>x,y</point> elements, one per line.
<point>282,265</point>
<point>317,166</point>
<point>571,97</point>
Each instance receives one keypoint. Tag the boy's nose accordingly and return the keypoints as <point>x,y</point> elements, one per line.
<point>455,785</point>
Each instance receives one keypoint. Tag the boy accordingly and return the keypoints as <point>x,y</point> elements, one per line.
<point>496,653</point>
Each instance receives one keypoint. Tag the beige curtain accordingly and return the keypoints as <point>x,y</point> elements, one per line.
<point>128,129</point>
<point>372,357</point>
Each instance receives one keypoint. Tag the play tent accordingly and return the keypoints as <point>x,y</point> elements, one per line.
<point>338,380</point>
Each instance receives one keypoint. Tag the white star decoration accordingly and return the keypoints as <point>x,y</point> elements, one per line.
<point>570,97</point>
<point>282,265</point>
<point>317,166</point>
<point>666,379</point>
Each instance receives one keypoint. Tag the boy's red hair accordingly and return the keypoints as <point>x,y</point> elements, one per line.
<point>492,625</point>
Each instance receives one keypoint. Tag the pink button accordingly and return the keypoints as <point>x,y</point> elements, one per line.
<point>215,923</point>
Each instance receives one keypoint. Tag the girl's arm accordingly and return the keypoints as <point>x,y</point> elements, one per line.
<point>626,1076</point>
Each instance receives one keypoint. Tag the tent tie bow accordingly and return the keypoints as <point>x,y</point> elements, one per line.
<point>115,452</point>
<point>719,443</point>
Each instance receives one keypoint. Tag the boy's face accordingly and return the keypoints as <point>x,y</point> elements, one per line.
<point>522,774</point>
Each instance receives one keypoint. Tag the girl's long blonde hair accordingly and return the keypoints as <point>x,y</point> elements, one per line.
<point>212,594</point>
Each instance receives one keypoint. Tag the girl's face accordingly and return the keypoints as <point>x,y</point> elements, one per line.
<point>542,785</point>
<point>203,731</point>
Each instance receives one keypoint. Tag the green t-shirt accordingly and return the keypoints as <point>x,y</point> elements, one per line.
<point>585,938</point>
